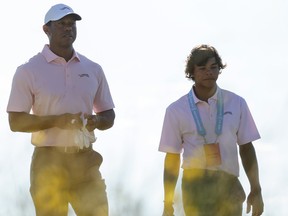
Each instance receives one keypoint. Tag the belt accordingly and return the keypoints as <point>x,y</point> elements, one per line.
<point>67,149</point>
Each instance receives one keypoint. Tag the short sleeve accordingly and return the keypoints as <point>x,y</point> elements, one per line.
<point>21,95</point>
<point>171,140</point>
<point>103,99</point>
<point>247,131</point>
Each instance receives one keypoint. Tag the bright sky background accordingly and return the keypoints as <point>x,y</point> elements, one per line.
<point>142,46</point>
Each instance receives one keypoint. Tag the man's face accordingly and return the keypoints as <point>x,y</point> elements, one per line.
<point>207,74</point>
<point>62,33</point>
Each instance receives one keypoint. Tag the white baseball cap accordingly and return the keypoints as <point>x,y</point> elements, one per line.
<point>58,11</point>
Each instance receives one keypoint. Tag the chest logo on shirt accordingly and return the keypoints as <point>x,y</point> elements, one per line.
<point>83,75</point>
<point>227,112</point>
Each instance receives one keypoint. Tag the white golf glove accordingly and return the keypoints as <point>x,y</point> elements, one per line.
<point>83,137</point>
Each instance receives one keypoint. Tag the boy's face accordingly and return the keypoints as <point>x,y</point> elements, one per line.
<point>207,75</point>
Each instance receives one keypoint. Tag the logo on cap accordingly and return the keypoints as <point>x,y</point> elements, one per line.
<point>65,8</point>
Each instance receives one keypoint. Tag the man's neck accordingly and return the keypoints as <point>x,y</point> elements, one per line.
<point>203,93</point>
<point>64,53</point>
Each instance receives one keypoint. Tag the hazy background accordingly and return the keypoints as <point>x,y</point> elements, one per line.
<point>142,46</point>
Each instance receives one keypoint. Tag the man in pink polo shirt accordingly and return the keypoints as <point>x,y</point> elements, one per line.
<point>69,97</point>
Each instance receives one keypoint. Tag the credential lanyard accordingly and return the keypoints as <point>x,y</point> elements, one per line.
<point>195,112</point>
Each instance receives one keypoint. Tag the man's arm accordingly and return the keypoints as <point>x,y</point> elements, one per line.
<point>102,120</point>
<point>171,173</point>
<point>250,164</point>
<point>25,122</point>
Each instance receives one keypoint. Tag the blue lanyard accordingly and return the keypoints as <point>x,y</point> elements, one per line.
<point>195,112</point>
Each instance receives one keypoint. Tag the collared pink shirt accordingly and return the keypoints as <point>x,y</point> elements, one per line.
<point>48,85</point>
<point>180,135</point>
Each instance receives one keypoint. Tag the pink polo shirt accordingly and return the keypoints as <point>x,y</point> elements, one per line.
<point>48,85</point>
<point>180,135</point>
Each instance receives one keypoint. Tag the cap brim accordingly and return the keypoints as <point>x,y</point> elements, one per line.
<point>76,16</point>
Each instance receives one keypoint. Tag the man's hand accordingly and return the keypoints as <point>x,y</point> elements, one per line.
<point>92,122</point>
<point>255,202</point>
<point>102,120</point>
<point>69,121</point>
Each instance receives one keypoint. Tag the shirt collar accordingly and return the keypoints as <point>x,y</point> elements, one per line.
<point>197,100</point>
<point>50,56</point>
